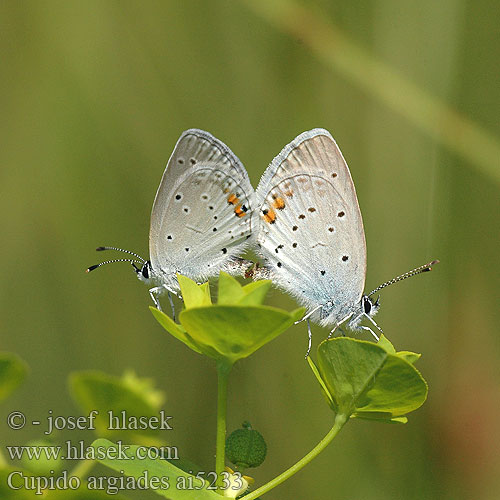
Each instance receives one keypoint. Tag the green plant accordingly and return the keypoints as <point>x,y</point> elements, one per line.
<point>359,379</point>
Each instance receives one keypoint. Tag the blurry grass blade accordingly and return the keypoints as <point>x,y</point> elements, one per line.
<point>384,83</point>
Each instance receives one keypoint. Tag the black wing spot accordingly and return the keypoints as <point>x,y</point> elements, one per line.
<point>334,175</point>
<point>214,229</point>
<point>215,217</point>
<point>224,250</point>
<point>341,214</point>
<point>180,161</point>
<point>204,196</point>
<point>322,273</point>
<point>294,245</point>
<point>186,209</point>
<point>278,248</point>
<point>193,161</point>
<point>211,207</point>
<point>302,216</point>
<point>169,237</point>
<point>331,229</point>
<point>294,228</point>
<point>279,264</point>
<point>187,249</point>
<point>345,258</point>
<point>178,196</point>
<point>311,209</point>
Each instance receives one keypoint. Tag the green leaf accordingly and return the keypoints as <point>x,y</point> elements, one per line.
<point>193,295</point>
<point>255,293</point>
<point>13,371</point>
<point>386,344</point>
<point>174,329</point>
<point>176,478</point>
<point>409,356</point>
<point>324,388</point>
<point>235,332</point>
<point>230,291</point>
<point>363,380</point>
<point>94,390</point>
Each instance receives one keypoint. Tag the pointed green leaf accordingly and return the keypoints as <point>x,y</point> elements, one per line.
<point>205,287</point>
<point>230,291</point>
<point>409,356</point>
<point>174,476</point>
<point>324,389</point>
<point>364,380</point>
<point>193,295</point>
<point>381,416</point>
<point>13,371</point>
<point>386,344</point>
<point>255,293</point>
<point>174,329</point>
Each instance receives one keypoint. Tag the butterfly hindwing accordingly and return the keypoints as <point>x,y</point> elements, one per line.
<point>308,223</point>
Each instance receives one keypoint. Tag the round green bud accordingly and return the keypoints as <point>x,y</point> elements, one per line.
<point>246,447</point>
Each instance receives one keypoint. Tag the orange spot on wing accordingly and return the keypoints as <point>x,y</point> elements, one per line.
<point>239,211</point>
<point>231,199</point>
<point>279,203</point>
<point>269,215</point>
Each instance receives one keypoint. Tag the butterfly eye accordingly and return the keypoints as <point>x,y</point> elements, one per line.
<point>367,305</point>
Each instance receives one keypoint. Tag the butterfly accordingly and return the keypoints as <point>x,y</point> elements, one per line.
<point>309,230</point>
<point>201,217</point>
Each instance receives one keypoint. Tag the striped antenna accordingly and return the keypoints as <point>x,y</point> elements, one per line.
<point>132,261</point>
<point>100,249</point>
<point>409,274</point>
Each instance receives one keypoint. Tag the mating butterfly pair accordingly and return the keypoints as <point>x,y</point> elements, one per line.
<point>304,220</point>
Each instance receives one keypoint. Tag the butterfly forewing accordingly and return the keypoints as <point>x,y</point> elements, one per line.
<point>201,213</point>
<point>206,221</point>
<point>309,225</point>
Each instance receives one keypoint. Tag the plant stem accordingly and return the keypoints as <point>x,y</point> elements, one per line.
<point>340,420</point>
<point>223,370</point>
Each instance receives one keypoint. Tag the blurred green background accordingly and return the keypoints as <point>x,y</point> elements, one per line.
<point>93,98</point>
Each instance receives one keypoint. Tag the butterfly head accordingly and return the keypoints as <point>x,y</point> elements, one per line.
<point>145,273</point>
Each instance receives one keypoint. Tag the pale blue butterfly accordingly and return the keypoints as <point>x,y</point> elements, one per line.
<point>201,217</point>
<point>309,230</point>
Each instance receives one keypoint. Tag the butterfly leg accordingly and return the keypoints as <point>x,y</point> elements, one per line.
<point>153,293</point>
<point>368,329</point>
<point>169,295</point>
<point>375,324</point>
<point>338,326</point>
<point>309,334</point>
<point>308,315</point>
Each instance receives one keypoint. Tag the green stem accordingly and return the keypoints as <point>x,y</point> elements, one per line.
<point>223,370</point>
<point>340,420</point>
